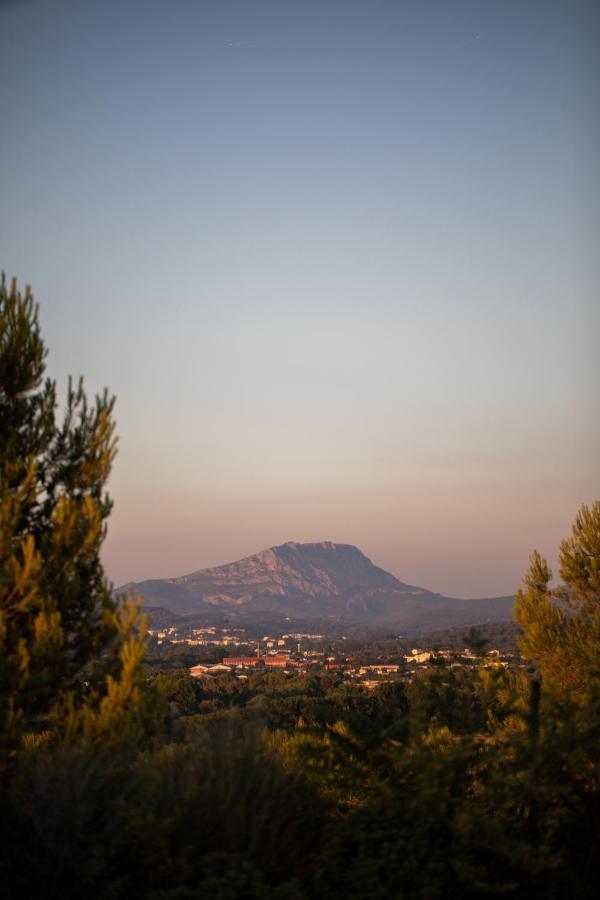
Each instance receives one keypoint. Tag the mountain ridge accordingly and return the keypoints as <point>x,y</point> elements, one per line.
<point>321,579</point>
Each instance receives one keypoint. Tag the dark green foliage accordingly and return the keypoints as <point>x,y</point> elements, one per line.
<point>217,813</point>
<point>410,836</point>
<point>447,697</point>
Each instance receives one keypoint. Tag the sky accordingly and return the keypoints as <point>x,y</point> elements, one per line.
<point>337,260</point>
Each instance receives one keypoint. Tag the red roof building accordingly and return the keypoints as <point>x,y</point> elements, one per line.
<point>246,661</point>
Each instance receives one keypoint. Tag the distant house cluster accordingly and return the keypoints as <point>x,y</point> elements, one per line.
<point>370,675</point>
<point>298,652</point>
<point>198,637</point>
<point>279,660</point>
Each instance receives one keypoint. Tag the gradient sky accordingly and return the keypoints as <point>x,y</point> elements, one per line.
<point>337,260</point>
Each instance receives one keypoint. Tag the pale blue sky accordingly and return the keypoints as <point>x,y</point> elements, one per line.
<point>338,261</point>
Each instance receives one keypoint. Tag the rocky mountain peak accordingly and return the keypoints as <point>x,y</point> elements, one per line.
<point>321,579</point>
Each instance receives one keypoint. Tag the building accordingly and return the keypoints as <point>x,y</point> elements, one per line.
<point>418,657</point>
<point>197,671</point>
<point>218,669</point>
<point>246,661</point>
<point>277,661</point>
<point>387,669</point>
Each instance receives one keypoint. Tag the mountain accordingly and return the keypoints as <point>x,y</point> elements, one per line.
<point>316,581</point>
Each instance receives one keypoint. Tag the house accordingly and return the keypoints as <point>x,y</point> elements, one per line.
<point>418,657</point>
<point>385,669</point>
<point>196,671</point>
<point>199,670</point>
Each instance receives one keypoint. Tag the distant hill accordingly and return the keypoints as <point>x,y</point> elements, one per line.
<point>317,581</point>
<point>501,636</point>
<point>161,618</point>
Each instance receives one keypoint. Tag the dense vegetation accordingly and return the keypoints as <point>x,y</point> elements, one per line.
<point>124,782</point>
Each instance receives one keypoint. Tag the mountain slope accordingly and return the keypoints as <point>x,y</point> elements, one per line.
<point>321,580</point>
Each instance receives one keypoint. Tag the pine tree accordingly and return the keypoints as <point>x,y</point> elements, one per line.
<point>561,626</point>
<point>65,641</point>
